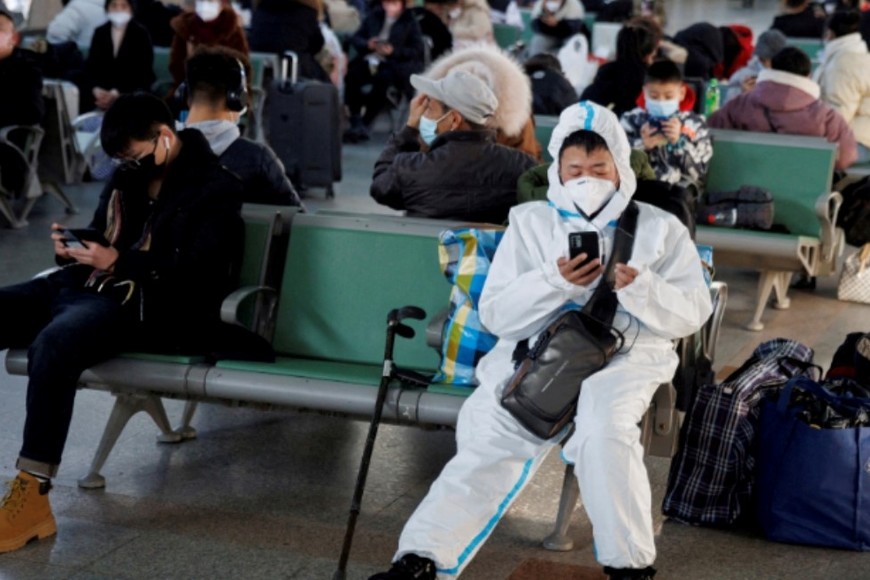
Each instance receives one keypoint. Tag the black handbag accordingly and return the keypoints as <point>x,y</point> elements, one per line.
<point>542,395</point>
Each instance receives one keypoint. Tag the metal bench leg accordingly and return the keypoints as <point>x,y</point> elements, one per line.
<point>766,281</point>
<point>185,431</point>
<point>780,289</point>
<point>126,405</point>
<point>7,212</point>
<point>558,540</point>
<point>57,191</point>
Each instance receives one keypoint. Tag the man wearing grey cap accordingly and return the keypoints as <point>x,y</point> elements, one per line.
<point>445,163</point>
<point>768,44</point>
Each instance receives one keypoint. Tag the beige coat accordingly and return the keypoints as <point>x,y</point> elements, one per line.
<point>844,76</point>
<point>473,24</point>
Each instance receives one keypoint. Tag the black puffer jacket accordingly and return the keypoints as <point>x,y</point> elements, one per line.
<point>706,49</point>
<point>551,91</point>
<point>281,25</point>
<point>464,176</point>
<point>261,172</point>
<point>618,84</point>
<point>195,249</point>
<point>405,37</point>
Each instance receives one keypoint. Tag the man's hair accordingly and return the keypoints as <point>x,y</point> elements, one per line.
<point>796,3</point>
<point>589,141</point>
<point>7,15</point>
<point>542,61</point>
<point>844,22</point>
<point>132,4</point>
<point>212,71</point>
<point>663,71</point>
<point>133,117</point>
<point>793,60</point>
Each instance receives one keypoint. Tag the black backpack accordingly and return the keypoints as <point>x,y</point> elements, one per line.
<point>854,216</point>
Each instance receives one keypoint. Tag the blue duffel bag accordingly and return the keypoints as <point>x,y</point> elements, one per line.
<point>813,481</point>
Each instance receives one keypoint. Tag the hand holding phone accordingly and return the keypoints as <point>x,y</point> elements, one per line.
<point>584,243</point>
<point>77,238</point>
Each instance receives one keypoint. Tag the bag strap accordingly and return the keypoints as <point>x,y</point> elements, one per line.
<point>602,306</point>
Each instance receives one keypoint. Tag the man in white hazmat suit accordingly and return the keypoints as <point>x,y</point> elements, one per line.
<point>662,296</point>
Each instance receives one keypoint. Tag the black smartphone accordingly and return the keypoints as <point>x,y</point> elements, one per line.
<point>75,238</point>
<point>584,243</point>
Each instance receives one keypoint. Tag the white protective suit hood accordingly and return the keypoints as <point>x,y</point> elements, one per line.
<point>591,117</point>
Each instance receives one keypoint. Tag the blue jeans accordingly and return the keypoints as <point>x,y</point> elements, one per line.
<point>67,330</point>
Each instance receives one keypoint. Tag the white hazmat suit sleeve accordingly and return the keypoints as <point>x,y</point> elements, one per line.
<point>524,288</point>
<point>669,296</point>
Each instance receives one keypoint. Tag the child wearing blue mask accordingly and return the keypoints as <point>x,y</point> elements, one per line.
<point>678,143</point>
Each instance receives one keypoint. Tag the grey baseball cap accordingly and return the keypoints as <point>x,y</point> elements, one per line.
<point>462,91</point>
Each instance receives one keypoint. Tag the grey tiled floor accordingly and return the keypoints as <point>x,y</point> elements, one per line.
<point>265,494</point>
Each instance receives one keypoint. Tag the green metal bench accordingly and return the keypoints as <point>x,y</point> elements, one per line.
<point>812,46</point>
<point>798,172</point>
<point>544,125</point>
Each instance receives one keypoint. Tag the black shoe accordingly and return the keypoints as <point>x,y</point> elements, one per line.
<point>630,573</point>
<point>409,567</point>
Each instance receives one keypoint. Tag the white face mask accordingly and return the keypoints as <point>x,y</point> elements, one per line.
<point>552,5</point>
<point>119,19</point>
<point>207,11</point>
<point>590,193</point>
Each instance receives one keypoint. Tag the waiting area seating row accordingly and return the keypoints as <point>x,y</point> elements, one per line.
<point>320,287</point>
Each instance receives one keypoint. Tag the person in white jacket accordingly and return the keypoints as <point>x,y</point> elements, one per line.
<point>662,296</point>
<point>844,76</point>
<point>77,22</point>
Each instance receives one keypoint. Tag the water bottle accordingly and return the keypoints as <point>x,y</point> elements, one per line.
<point>727,218</point>
<point>711,97</point>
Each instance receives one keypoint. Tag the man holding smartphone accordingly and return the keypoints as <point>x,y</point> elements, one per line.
<point>662,295</point>
<point>168,240</point>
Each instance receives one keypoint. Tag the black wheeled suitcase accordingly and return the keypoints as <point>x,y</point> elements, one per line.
<point>305,127</point>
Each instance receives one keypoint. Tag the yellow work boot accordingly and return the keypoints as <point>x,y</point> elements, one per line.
<point>25,513</point>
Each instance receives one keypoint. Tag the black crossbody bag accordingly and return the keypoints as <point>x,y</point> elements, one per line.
<point>542,395</point>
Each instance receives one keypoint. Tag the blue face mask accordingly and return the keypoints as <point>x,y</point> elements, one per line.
<point>428,128</point>
<point>661,109</point>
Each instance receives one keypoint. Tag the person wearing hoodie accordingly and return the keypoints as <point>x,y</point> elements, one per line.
<point>216,86</point>
<point>661,296</point>
<point>706,49</point>
<point>281,25</point>
<point>513,121</point>
<point>618,84</point>
<point>552,93</point>
<point>461,173</point>
<point>786,100</point>
<point>554,22</point>
<point>212,23</point>
<point>76,22</point>
<point>469,23</point>
<point>844,76</point>
<point>769,43</point>
<point>678,142</point>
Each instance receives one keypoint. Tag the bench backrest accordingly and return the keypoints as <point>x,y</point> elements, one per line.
<point>812,46</point>
<point>344,274</point>
<point>544,125</point>
<point>796,170</point>
<point>506,35</point>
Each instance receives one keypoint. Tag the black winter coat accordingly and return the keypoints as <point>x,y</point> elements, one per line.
<point>551,92</point>
<point>617,83</point>
<point>131,70</point>
<point>261,172</point>
<point>807,24</point>
<point>281,25</point>
<point>196,244</point>
<point>435,29</point>
<point>464,176</point>
<point>706,49</point>
<point>21,96</point>
<point>405,36</point>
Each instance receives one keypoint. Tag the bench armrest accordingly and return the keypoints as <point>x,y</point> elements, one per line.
<point>827,210</point>
<point>710,331</point>
<point>264,314</point>
<point>32,141</point>
<point>435,329</point>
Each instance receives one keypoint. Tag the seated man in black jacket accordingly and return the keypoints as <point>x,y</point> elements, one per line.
<point>20,100</point>
<point>461,174</point>
<point>217,95</point>
<point>800,19</point>
<point>171,242</point>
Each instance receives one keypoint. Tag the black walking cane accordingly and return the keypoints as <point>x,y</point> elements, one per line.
<point>394,327</point>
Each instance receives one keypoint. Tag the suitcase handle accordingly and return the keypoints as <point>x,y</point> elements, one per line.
<point>292,59</point>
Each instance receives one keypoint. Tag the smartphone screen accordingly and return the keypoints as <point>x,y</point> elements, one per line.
<point>584,243</point>
<point>75,238</point>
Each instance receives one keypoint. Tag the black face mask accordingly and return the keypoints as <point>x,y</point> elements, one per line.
<point>144,169</point>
